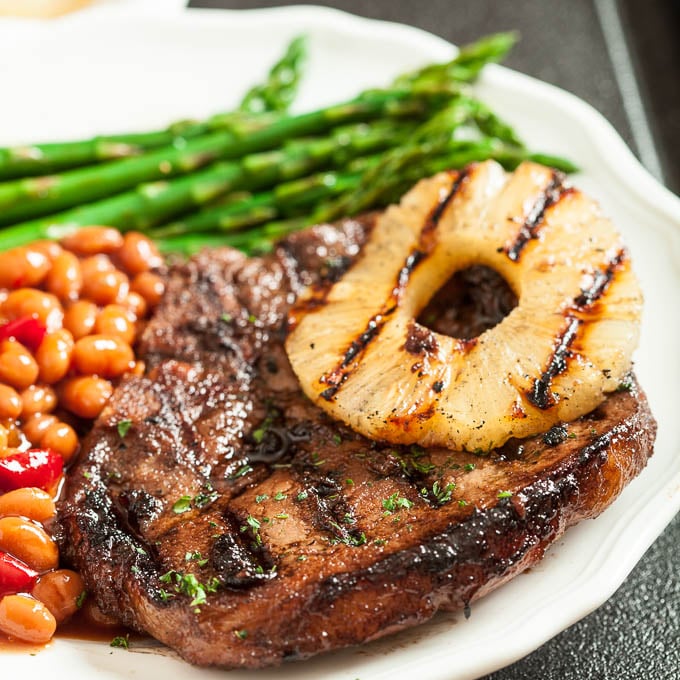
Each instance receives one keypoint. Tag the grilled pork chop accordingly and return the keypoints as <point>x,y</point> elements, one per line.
<point>235,522</point>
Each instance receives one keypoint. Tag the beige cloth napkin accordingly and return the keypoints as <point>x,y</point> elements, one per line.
<point>39,8</point>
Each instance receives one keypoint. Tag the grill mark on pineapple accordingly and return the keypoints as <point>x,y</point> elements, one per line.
<point>550,196</point>
<point>601,281</point>
<point>540,394</point>
<point>348,364</point>
<point>426,240</point>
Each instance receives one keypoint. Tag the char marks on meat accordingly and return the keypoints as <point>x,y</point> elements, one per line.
<point>238,524</point>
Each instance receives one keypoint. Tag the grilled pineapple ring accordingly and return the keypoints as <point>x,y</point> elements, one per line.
<point>361,356</point>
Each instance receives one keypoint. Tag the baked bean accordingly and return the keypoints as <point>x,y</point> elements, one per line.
<point>86,395</point>
<point>26,619</point>
<point>28,542</point>
<point>60,591</point>
<point>62,439</point>
<point>105,288</point>
<point>138,253</point>
<point>53,355</point>
<point>37,399</point>
<point>135,304</point>
<point>31,302</point>
<point>30,502</point>
<point>80,318</point>
<point>34,428</point>
<point>115,320</point>
<point>65,279</point>
<point>96,263</point>
<point>50,249</point>
<point>103,355</point>
<point>23,266</point>
<point>14,436</point>
<point>10,403</point>
<point>4,440</point>
<point>18,368</point>
<point>90,240</point>
<point>150,286</point>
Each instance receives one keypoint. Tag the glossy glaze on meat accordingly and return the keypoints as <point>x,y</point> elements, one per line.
<point>311,537</point>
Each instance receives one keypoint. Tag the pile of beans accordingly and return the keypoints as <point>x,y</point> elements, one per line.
<point>69,316</point>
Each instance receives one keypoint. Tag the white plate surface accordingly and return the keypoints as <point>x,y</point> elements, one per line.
<point>121,67</point>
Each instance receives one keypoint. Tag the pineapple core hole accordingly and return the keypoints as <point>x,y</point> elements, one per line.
<point>469,303</point>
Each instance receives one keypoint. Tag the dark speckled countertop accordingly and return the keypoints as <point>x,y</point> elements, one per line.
<point>623,57</point>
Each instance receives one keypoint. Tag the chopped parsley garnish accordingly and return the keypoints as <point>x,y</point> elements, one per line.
<point>227,318</point>
<point>315,460</point>
<point>196,557</point>
<point>424,468</point>
<point>343,536</point>
<point>259,433</point>
<point>80,600</point>
<point>183,504</point>
<point>281,515</point>
<point>469,467</point>
<point>349,482</point>
<point>241,634</point>
<point>243,470</point>
<point>200,500</point>
<point>279,496</point>
<point>354,539</point>
<point>123,427</point>
<point>120,641</point>
<point>440,494</point>
<point>205,497</point>
<point>302,495</point>
<point>462,503</point>
<point>504,494</point>
<point>337,439</point>
<point>625,386</point>
<point>395,502</point>
<point>261,498</point>
<point>254,525</point>
<point>188,584</point>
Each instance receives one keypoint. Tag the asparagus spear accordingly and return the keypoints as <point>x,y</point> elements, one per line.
<point>275,95</point>
<point>152,203</point>
<point>288,202</point>
<point>467,64</point>
<point>442,124</point>
<point>279,91</point>
<point>27,198</point>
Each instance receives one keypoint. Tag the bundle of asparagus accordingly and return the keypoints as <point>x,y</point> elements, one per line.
<point>247,177</point>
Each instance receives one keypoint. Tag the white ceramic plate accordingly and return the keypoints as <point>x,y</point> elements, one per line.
<point>120,67</point>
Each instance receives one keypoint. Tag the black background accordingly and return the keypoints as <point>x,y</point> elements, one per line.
<point>577,45</point>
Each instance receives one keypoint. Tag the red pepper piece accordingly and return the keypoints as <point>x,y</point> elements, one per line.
<point>15,576</point>
<point>26,330</point>
<point>35,467</point>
